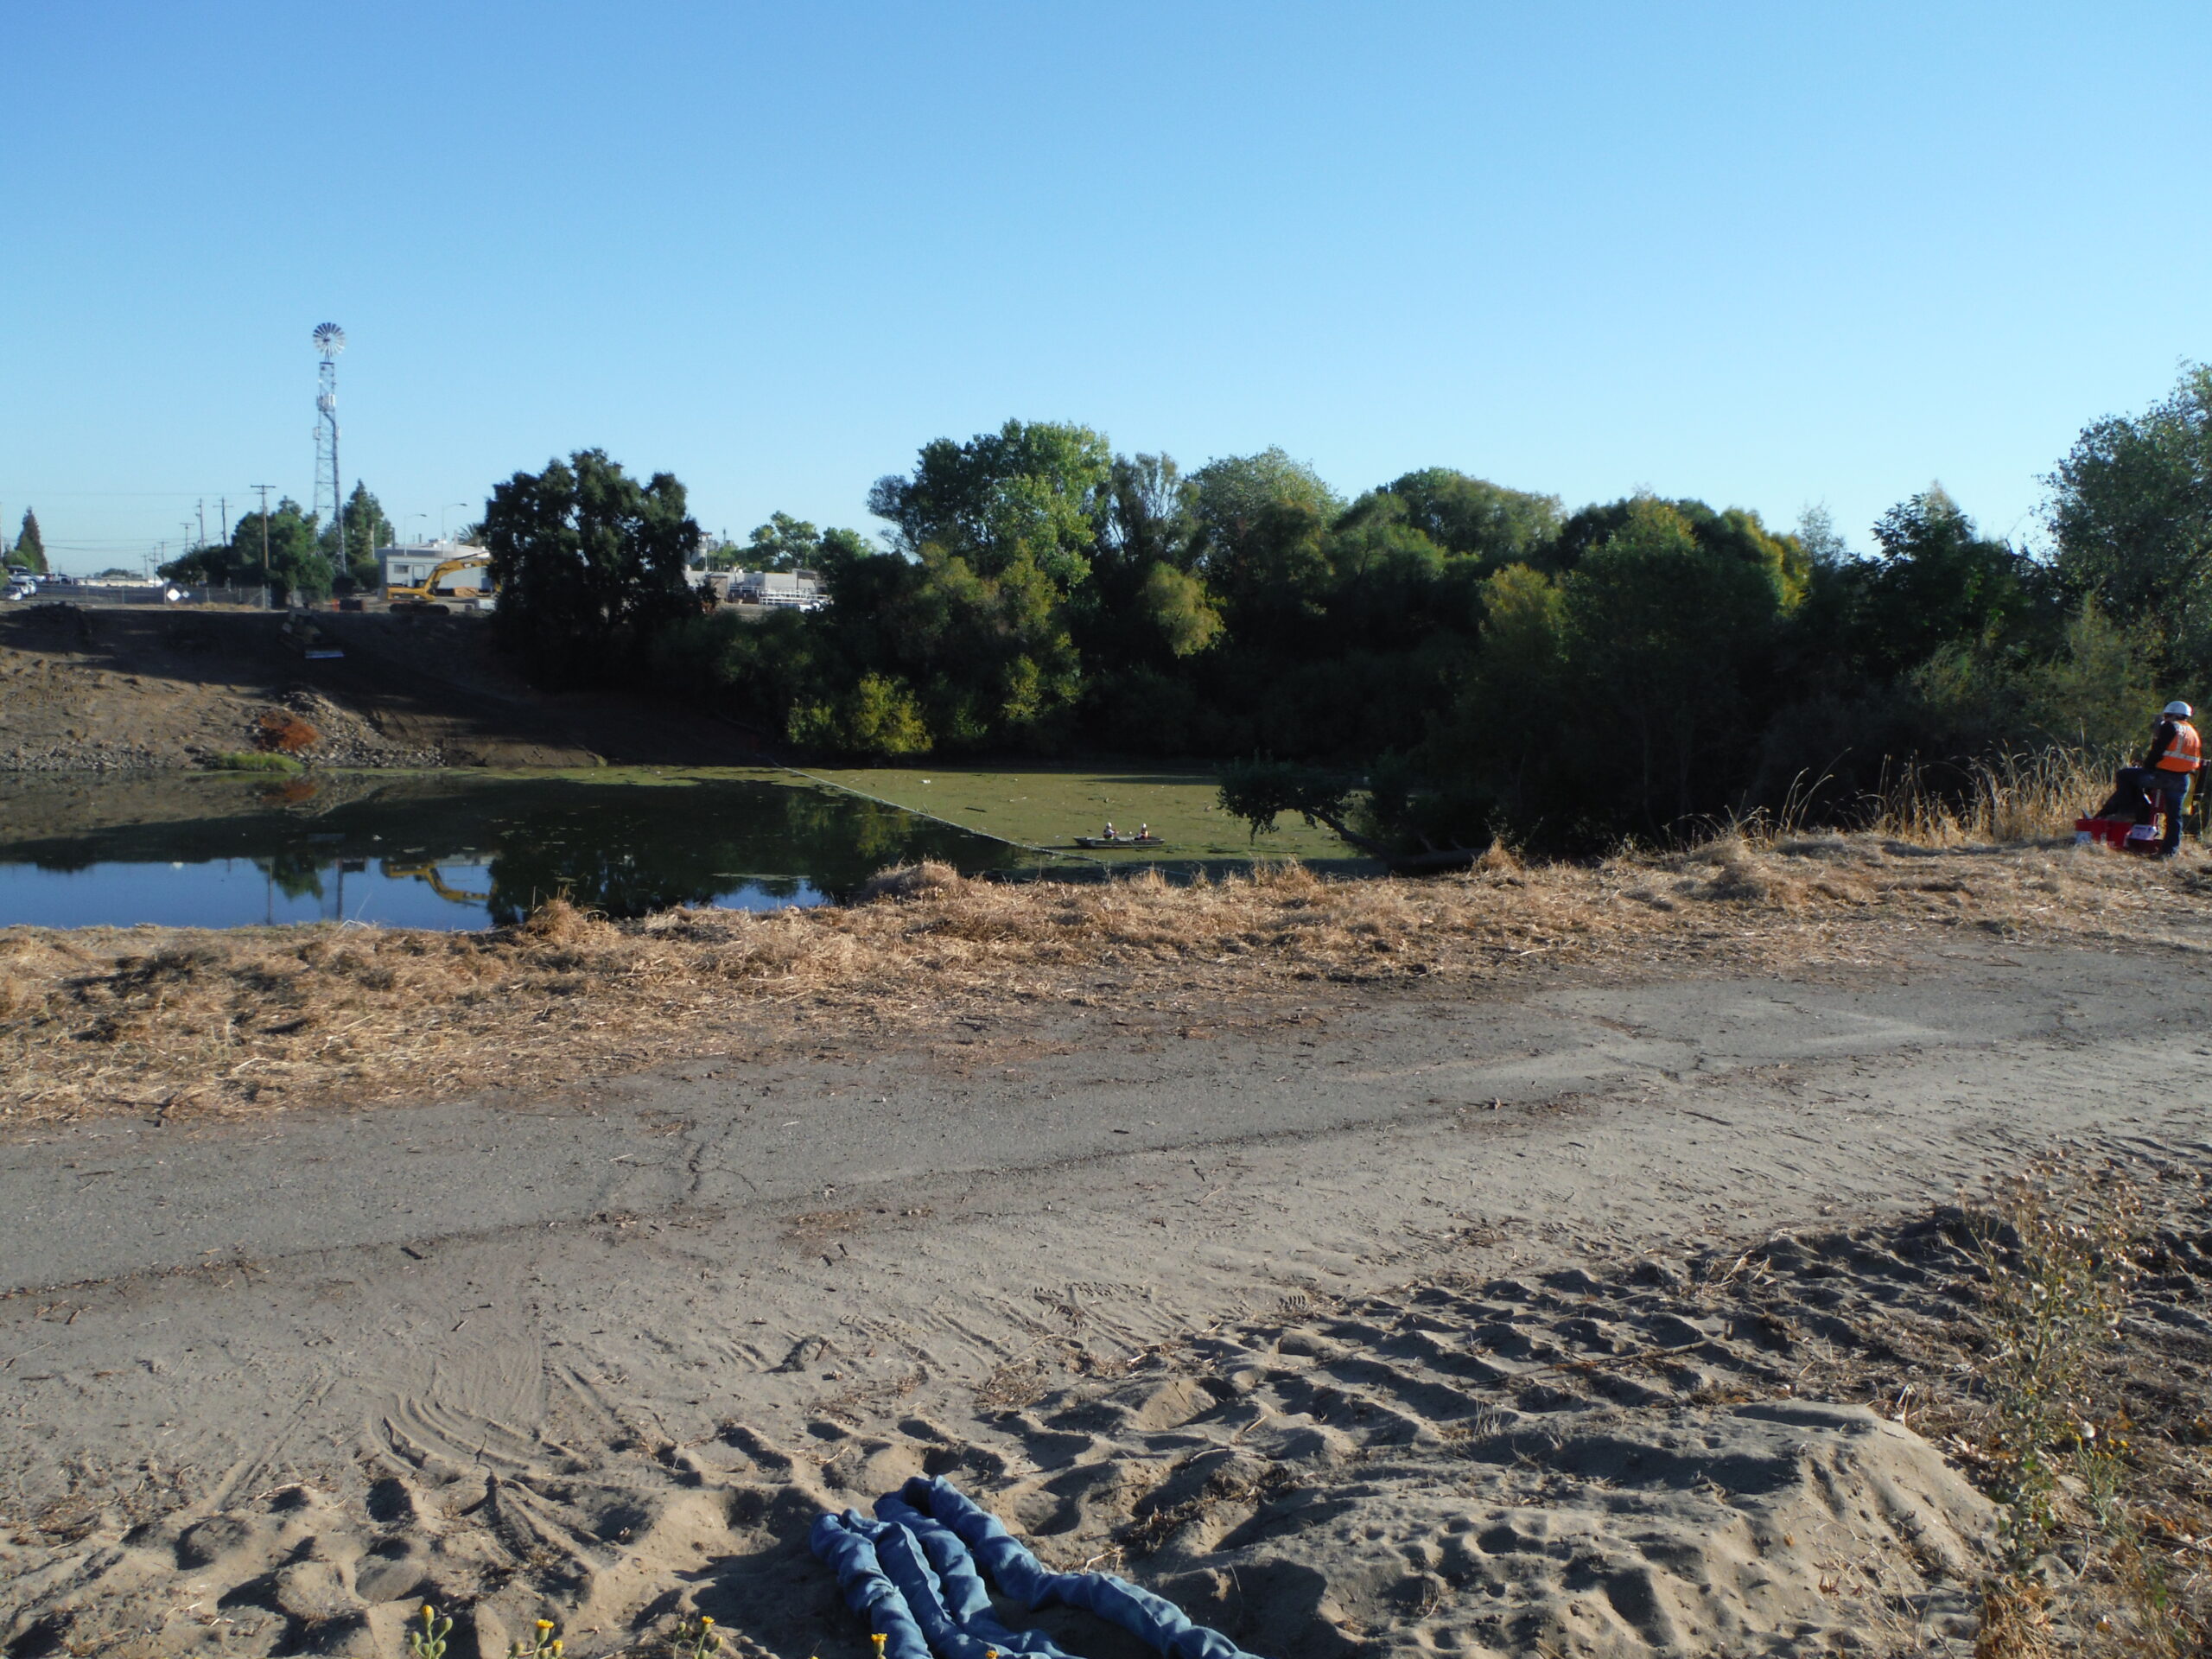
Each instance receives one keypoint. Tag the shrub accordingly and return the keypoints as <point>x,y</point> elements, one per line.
<point>284,733</point>
<point>253,760</point>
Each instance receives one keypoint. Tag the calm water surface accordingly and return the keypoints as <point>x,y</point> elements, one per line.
<point>442,849</point>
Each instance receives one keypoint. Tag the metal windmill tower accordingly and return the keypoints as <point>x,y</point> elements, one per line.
<point>329,341</point>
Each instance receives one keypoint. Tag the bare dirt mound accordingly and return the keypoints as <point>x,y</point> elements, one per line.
<point>87,689</point>
<point>1677,1457</point>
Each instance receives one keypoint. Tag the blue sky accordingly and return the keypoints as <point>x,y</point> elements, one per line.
<point>1769,255</point>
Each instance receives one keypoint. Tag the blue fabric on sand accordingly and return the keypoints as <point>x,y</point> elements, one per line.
<point>965,1598</point>
<point>867,1591</point>
<point>912,1571</point>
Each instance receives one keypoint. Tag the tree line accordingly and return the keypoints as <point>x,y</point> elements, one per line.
<point>293,552</point>
<point>1437,659</point>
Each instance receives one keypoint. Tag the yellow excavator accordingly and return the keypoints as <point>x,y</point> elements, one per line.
<point>425,592</point>
<point>429,873</point>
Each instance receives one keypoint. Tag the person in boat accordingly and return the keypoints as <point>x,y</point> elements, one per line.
<point>1110,830</point>
<point>1144,832</point>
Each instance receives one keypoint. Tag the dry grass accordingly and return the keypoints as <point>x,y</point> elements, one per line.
<point>2048,1334</point>
<point>2016,797</point>
<point>179,1022</point>
<point>2091,1444</point>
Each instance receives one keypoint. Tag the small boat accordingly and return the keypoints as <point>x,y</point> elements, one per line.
<point>1119,840</point>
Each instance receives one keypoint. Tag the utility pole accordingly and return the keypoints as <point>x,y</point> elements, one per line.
<point>202,511</point>
<point>264,490</point>
<point>224,506</point>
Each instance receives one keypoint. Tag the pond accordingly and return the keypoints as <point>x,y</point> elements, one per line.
<point>452,850</point>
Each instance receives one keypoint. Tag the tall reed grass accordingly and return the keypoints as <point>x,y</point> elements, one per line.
<point>2013,798</point>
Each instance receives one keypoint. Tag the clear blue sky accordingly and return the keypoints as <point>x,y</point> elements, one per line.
<point>1769,255</point>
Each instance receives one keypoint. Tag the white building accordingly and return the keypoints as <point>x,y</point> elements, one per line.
<point>797,590</point>
<point>411,564</point>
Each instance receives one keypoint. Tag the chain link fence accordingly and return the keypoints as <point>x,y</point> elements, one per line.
<point>106,594</point>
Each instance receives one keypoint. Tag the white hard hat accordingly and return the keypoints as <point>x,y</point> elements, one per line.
<point>2178,709</point>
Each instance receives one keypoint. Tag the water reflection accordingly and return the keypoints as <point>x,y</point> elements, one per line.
<point>441,850</point>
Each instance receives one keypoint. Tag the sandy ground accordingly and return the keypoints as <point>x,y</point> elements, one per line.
<point>1358,1317</point>
<point>88,689</point>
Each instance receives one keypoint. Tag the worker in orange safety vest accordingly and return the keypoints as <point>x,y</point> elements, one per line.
<point>2174,763</point>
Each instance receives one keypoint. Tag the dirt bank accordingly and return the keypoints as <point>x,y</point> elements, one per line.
<point>87,689</point>
<point>177,1024</point>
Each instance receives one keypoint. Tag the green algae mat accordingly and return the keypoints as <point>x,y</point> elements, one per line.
<point>1051,806</point>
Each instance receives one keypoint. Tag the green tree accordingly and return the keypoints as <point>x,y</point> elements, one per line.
<point>1143,607</point>
<point>1735,533</point>
<point>29,550</point>
<point>1508,725</point>
<point>1260,545</point>
<point>590,565</point>
<point>992,653</point>
<point>973,611</point>
<point>1939,583</point>
<point>296,563</point>
<point>366,529</point>
<point>782,544</point>
<point>1393,815</point>
<point>1664,633</point>
<point>879,718</point>
<point>1030,490</point>
<point>1390,577</point>
<point>2092,693</point>
<point>1175,605</point>
<point>2131,509</point>
<point>1473,517</point>
<point>1823,544</point>
<point>1236,497</point>
<point>787,543</point>
<point>1151,516</point>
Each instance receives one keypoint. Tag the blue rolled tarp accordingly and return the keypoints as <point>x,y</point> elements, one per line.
<point>966,1600</point>
<point>838,1539</point>
<point>913,1572</point>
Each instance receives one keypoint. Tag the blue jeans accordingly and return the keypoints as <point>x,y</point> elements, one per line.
<point>2174,786</point>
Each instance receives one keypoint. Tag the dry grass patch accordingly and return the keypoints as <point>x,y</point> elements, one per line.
<point>2013,797</point>
<point>183,1021</point>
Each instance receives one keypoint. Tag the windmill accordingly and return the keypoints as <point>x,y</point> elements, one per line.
<point>329,341</point>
